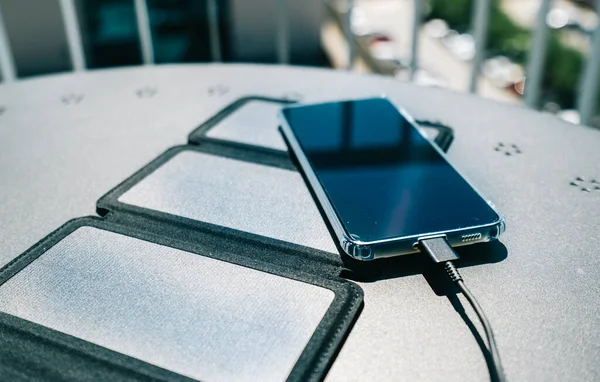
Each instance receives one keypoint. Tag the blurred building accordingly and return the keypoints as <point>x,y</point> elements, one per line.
<point>179,28</point>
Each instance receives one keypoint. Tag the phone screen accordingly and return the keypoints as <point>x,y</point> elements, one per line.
<point>382,177</point>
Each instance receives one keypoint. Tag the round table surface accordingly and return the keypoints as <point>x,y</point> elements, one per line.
<point>65,140</point>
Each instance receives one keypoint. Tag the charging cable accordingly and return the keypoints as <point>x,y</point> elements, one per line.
<point>442,253</point>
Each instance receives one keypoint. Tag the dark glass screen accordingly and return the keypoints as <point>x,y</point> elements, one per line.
<point>383,178</point>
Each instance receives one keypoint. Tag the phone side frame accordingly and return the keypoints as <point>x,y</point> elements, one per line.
<point>390,247</point>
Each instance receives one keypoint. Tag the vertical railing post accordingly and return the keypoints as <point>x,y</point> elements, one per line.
<point>537,57</point>
<point>414,47</point>
<point>480,21</point>
<point>588,95</point>
<point>283,51</point>
<point>144,32</point>
<point>73,33</point>
<point>348,33</point>
<point>213,29</point>
<point>7,64</point>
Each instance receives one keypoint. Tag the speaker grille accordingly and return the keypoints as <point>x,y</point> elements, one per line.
<point>471,237</point>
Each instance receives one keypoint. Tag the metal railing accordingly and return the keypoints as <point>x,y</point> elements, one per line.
<point>7,64</point>
<point>586,102</point>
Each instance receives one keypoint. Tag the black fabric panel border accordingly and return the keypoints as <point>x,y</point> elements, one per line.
<point>313,363</point>
<point>198,135</point>
<point>445,135</point>
<point>29,351</point>
<point>256,246</point>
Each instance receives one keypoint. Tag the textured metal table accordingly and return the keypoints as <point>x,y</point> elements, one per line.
<point>65,140</point>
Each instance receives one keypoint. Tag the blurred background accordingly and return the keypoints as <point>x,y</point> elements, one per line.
<point>544,54</point>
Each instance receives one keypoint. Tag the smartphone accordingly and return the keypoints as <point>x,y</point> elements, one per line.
<point>381,184</point>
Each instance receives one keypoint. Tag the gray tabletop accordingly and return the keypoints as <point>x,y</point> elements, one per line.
<point>66,140</point>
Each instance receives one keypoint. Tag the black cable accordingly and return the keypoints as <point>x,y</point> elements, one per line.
<point>487,327</point>
<point>441,252</point>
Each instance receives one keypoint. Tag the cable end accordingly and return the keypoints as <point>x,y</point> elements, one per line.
<point>438,249</point>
